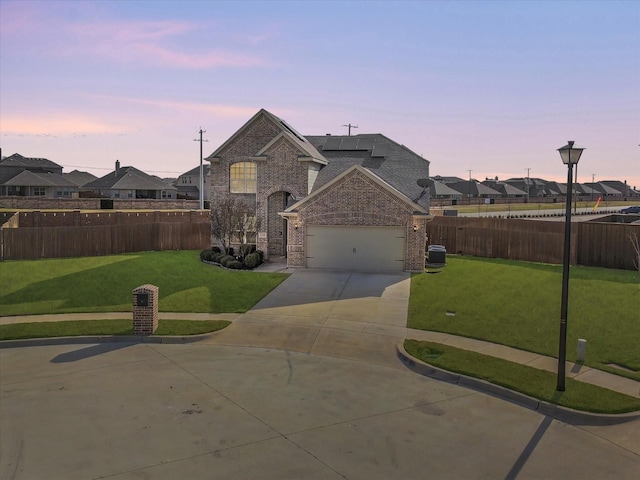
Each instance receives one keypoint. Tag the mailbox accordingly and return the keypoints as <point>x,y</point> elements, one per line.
<point>142,299</point>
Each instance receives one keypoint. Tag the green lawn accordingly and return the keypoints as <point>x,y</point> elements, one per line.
<point>535,383</point>
<point>105,284</point>
<point>518,304</point>
<point>105,327</point>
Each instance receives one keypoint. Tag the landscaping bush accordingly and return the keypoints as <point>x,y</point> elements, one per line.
<point>205,255</point>
<point>225,259</point>
<point>247,249</point>
<point>252,260</point>
<point>234,264</point>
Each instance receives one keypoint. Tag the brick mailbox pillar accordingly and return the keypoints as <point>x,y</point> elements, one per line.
<point>145,309</point>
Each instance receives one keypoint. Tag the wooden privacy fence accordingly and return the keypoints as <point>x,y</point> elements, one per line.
<point>59,242</point>
<point>595,244</point>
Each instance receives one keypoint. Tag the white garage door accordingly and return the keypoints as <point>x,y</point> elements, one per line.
<point>355,248</point>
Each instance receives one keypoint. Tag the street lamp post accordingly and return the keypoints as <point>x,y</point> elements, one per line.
<point>570,157</point>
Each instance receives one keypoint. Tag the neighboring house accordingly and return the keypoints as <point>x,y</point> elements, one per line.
<point>188,184</point>
<point>79,178</point>
<point>506,189</point>
<point>129,182</point>
<point>622,187</point>
<point>349,202</point>
<point>605,190</point>
<point>536,187</point>
<point>441,191</point>
<point>474,189</point>
<point>39,177</point>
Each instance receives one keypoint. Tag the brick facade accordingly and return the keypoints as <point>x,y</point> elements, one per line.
<point>280,173</point>
<point>357,200</point>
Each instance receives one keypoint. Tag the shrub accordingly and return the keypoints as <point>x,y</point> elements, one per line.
<point>247,249</point>
<point>215,249</point>
<point>216,257</point>
<point>205,255</point>
<point>225,259</point>
<point>235,264</point>
<point>230,251</point>
<point>252,260</point>
<point>261,253</point>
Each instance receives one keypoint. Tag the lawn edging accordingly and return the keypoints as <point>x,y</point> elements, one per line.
<point>567,415</point>
<point>79,340</point>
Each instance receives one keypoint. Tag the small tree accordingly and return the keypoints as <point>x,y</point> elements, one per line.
<point>232,220</point>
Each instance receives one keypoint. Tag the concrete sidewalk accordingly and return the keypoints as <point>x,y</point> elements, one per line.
<point>357,340</point>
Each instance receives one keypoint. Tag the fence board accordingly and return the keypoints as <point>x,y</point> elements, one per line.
<point>594,244</point>
<point>60,242</point>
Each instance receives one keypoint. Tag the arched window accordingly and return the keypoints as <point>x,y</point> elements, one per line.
<point>242,177</point>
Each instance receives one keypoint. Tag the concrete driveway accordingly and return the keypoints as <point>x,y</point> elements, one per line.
<point>361,316</point>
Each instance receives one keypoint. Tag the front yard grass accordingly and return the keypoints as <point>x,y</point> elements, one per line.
<point>535,383</point>
<point>75,328</point>
<point>105,284</point>
<point>518,304</point>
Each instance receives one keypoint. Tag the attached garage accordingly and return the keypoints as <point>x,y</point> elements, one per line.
<point>355,248</point>
<point>356,222</point>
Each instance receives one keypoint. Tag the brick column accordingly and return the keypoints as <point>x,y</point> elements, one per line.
<point>145,309</point>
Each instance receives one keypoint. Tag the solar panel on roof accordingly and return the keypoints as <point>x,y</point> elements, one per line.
<point>349,143</point>
<point>332,143</point>
<point>365,143</point>
<point>381,150</point>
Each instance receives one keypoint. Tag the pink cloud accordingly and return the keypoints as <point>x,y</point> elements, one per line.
<point>235,111</point>
<point>150,43</point>
<point>46,28</point>
<point>58,125</point>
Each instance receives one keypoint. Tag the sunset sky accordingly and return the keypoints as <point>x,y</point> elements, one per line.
<point>491,87</point>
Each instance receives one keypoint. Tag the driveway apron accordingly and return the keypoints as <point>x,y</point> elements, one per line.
<point>354,315</point>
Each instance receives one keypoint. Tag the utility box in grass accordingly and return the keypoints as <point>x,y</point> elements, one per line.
<point>145,309</point>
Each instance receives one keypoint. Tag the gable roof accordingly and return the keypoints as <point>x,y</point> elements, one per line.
<point>442,189</point>
<point>393,163</point>
<point>27,178</point>
<point>128,178</point>
<point>375,178</point>
<point>79,178</point>
<point>286,130</point>
<point>473,187</point>
<point>17,160</point>
<point>196,171</point>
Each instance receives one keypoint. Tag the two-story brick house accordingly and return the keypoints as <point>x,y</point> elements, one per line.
<point>350,202</point>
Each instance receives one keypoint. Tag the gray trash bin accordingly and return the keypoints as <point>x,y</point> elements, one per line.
<point>436,255</point>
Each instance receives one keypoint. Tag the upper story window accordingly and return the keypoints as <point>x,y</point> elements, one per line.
<point>242,177</point>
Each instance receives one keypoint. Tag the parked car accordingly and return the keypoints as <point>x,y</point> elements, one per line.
<point>633,209</point>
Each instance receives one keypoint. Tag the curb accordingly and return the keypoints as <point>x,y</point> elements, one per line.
<point>564,414</point>
<point>80,340</point>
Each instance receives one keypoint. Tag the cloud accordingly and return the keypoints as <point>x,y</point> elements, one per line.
<point>149,43</point>
<point>235,111</point>
<point>84,31</point>
<point>59,125</point>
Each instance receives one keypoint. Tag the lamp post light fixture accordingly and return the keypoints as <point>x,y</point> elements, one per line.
<point>570,157</point>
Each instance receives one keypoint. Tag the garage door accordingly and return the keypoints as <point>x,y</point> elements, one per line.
<point>355,248</point>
